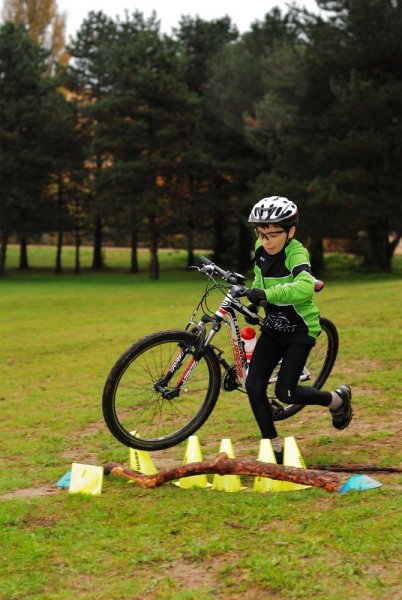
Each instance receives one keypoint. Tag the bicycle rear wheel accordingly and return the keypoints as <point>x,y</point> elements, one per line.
<point>317,370</point>
<point>136,406</point>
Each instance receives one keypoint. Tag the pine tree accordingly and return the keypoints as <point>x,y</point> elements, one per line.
<point>24,162</point>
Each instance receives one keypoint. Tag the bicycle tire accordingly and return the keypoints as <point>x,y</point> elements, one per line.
<point>324,353</point>
<point>136,414</point>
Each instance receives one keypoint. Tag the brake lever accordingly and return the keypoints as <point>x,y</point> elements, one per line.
<point>208,269</point>
<point>238,290</point>
<point>204,269</point>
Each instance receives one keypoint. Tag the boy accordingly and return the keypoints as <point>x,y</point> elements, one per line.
<point>284,280</point>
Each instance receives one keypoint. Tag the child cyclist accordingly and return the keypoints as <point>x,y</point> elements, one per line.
<point>284,281</point>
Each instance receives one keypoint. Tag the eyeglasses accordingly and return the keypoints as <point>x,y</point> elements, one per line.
<point>267,236</point>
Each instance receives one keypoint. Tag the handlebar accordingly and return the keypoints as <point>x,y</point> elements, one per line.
<point>210,268</point>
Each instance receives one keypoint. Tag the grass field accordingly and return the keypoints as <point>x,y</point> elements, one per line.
<point>60,336</point>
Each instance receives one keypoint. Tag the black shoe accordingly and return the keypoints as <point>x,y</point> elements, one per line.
<point>279,457</point>
<point>342,416</point>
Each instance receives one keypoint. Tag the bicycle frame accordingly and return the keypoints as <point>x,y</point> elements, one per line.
<point>226,313</point>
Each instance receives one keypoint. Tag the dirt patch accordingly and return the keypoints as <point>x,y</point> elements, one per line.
<point>79,455</point>
<point>190,575</point>
<point>77,452</point>
<point>33,522</point>
<point>209,576</point>
<point>31,492</point>
<point>92,429</point>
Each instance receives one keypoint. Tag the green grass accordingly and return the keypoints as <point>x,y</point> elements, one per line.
<point>60,336</point>
<point>44,258</point>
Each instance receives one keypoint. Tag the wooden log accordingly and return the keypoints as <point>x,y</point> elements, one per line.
<point>223,465</point>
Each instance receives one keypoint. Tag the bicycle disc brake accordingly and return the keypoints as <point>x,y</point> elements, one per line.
<point>229,381</point>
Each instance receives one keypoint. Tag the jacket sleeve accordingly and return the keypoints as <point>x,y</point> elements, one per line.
<point>301,289</point>
<point>258,282</point>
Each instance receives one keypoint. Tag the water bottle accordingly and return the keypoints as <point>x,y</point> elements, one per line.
<point>249,339</point>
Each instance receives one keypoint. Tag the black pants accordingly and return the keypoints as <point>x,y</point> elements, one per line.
<point>269,350</point>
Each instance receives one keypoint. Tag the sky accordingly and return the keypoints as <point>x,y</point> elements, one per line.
<point>242,13</point>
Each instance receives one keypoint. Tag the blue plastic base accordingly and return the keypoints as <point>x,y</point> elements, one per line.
<point>65,480</point>
<point>359,483</point>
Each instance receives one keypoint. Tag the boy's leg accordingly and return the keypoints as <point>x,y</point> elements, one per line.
<point>266,356</point>
<point>287,387</point>
<point>288,390</point>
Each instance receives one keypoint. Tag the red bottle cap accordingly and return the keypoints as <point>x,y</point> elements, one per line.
<point>247,333</point>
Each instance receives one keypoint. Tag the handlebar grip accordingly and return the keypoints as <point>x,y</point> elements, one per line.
<point>205,261</point>
<point>233,278</point>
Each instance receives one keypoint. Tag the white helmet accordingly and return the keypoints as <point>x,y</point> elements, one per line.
<point>274,210</point>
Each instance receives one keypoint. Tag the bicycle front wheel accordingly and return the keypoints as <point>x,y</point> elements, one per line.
<point>317,370</point>
<point>146,406</point>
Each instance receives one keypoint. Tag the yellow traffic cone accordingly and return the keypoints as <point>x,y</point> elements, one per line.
<point>292,458</point>
<point>141,462</point>
<point>86,479</point>
<point>266,454</point>
<point>226,483</point>
<point>193,454</point>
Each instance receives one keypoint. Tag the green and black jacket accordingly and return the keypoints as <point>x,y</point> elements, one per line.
<point>289,286</point>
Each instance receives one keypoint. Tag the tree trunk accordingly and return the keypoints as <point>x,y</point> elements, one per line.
<point>376,252</point>
<point>77,267</point>
<point>317,255</point>
<point>153,247</point>
<point>23,253</point>
<point>244,248</point>
<point>59,247</point>
<point>190,245</point>
<point>97,261</point>
<point>219,246</point>
<point>134,252</point>
<point>3,252</point>
<point>392,246</point>
<point>190,258</point>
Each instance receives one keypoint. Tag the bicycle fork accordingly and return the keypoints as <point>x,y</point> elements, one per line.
<point>161,385</point>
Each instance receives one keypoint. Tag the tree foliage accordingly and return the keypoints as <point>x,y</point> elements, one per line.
<point>160,138</point>
<point>330,118</point>
<point>23,163</point>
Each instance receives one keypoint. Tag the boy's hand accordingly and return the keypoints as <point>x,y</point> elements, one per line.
<point>256,295</point>
<point>251,320</point>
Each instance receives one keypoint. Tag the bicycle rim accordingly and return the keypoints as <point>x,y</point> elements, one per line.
<point>318,367</point>
<point>136,412</point>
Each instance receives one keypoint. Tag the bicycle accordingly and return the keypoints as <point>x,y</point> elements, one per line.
<point>165,386</point>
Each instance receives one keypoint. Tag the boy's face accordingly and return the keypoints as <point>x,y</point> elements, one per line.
<point>274,237</point>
